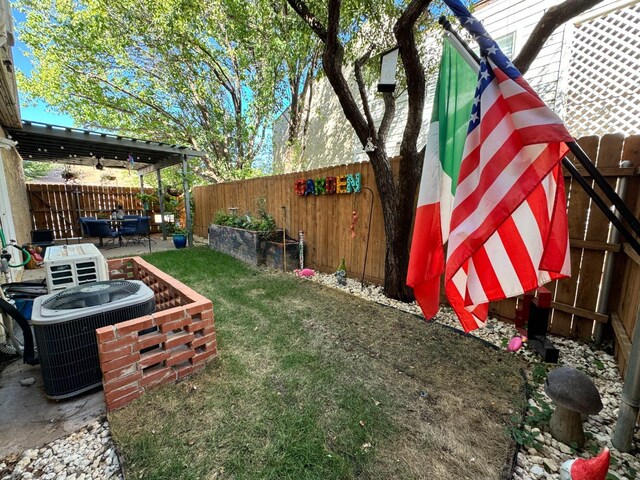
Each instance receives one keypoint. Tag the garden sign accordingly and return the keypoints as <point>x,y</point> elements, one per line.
<point>349,183</point>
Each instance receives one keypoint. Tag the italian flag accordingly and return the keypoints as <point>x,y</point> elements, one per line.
<point>445,142</point>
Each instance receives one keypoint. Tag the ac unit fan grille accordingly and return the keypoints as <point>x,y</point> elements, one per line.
<point>69,351</point>
<point>91,295</point>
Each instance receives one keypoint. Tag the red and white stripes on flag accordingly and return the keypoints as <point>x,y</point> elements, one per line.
<point>508,231</point>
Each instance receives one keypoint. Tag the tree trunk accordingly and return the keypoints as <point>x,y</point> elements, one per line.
<point>397,215</point>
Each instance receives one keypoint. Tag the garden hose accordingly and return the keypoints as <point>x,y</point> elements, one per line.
<point>27,255</point>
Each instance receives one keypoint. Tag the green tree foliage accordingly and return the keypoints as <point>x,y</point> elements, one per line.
<point>35,170</point>
<point>208,74</point>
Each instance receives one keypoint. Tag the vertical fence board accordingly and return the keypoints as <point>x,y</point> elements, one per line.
<point>58,207</point>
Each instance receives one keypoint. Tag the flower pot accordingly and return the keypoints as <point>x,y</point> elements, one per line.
<point>179,240</point>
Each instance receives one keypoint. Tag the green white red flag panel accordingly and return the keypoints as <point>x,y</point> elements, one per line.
<point>508,225</point>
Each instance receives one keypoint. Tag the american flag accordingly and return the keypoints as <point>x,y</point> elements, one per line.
<point>508,231</point>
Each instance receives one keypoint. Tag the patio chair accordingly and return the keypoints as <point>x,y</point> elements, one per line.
<point>42,238</point>
<point>83,225</point>
<point>144,231</point>
<point>129,230</point>
<point>101,229</point>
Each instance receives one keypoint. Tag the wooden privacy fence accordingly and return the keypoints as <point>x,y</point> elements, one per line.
<point>58,207</point>
<point>326,221</point>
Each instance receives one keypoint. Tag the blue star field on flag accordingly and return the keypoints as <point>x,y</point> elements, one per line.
<point>489,49</point>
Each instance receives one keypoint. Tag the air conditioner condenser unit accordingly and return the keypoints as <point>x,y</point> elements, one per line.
<point>64,325</point>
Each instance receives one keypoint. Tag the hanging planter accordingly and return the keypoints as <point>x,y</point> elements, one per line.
<point>173,191</point>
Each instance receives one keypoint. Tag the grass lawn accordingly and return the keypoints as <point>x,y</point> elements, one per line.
<point>313,383</point>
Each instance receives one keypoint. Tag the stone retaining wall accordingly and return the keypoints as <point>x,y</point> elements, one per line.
<point>156,349</point>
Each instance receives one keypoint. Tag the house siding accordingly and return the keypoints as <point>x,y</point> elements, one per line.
<point>17,192</point>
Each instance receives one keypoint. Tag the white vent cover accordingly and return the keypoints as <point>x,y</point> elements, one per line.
<point>71,265</point>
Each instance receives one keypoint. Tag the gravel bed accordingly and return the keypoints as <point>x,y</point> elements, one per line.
<point>90,453</point>
<point>87,454</point>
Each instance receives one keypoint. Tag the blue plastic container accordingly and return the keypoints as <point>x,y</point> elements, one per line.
<point>25,307</point>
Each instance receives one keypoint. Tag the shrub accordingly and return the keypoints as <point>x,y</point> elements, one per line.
<point>263,222</point>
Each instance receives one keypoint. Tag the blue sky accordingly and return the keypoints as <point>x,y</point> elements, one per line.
<point>39,112</point>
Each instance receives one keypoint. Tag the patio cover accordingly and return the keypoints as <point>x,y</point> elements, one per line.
<point>73,146</point>
<point>42,142</point>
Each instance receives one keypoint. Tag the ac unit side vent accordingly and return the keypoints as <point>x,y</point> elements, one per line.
<point>81,263</point>
<point>69,351</point>
<point>87,278</point>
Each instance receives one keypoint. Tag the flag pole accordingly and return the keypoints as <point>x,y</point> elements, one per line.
<point>584,160</point>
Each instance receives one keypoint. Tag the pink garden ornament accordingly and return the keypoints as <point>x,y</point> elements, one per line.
<point>516,343</point>
<point>305,272</point>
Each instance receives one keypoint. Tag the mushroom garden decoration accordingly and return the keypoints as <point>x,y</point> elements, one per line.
<point>574,394</point>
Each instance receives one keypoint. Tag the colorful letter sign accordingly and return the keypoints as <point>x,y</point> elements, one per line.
<point>349,183</point>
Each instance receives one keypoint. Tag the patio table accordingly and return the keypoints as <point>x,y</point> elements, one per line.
<point>117,225</point>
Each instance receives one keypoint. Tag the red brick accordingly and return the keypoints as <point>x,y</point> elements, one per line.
<point>155,375</point>
<point>117,343</point>
<point>151,358</point>
<point>198,307</point>
<point>184,370</point>
<point>104,334</point>
<point>175,325</point>
<point>112,394</point>
<point>149,339</point>
<point>122,381</point>
<point>135,325</point>
<point>178,339</point>
<point>209,331</point>
<point>207,314</point>
<point>179,355</point>
<point>195,326</point>
<point>108,376</point>
<point>120,362</point>
<point>199,341</point>
<point>201,357</point>
<point>112,355</point>
<point>169,315</point>
<point>170,378</point>
<point>122,401</point>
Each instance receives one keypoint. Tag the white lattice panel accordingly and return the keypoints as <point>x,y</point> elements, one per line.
<point>603,94</point>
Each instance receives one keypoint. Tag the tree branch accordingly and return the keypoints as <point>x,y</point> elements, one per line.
<point>389,113</point>
<point>361,87</point>
<point>552,19</point>
<point>404,31</point>
<point>303,11</point>
<point>129,94</point>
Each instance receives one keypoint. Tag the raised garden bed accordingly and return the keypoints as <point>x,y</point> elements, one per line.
<point>156,349</point>
<point>249,247</point>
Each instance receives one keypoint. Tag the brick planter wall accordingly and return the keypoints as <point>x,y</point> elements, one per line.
<point>183,339</point>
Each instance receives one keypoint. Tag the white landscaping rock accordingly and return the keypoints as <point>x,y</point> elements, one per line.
<point>71,457</point>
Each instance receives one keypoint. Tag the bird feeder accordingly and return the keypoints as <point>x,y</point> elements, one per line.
<point>388,64</point>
